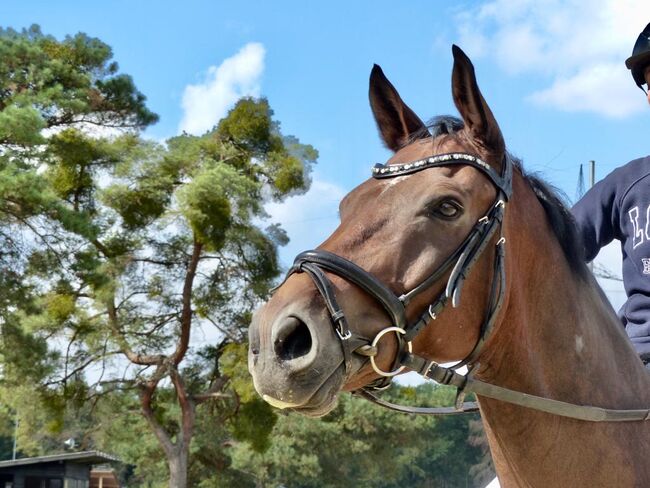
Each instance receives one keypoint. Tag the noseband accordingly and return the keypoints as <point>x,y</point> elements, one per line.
<point>460,262</point>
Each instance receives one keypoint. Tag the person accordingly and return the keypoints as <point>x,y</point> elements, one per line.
<point>618,207</point>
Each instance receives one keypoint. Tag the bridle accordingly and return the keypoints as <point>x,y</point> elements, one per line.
<point>459,264</point>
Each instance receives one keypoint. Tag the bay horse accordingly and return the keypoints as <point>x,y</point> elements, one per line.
<point>530,319</point>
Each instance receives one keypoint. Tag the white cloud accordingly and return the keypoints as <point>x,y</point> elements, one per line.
<point>580,48</point>
<point>308,219</point>
<point>204,104</point>
<point>602,88</point>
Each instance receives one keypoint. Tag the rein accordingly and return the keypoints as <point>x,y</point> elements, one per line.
<point>314,263</point>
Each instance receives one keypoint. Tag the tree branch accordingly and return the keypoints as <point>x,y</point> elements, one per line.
<point>155,261</point>
<point>224,331</point>
<point>186,314</point>
<point>213,392</point>
<point>141,359</point>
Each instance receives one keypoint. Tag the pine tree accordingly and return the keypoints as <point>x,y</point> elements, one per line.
<point>130,250</point>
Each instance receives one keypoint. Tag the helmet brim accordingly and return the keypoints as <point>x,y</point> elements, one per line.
<point>638,64</point>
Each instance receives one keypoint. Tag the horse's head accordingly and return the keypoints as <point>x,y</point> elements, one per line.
<point>401,234</point>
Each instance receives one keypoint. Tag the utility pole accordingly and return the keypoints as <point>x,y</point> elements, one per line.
<point>592,182</point>
<point>15,437</point>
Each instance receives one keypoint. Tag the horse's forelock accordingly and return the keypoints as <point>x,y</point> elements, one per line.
<point>438,126</point>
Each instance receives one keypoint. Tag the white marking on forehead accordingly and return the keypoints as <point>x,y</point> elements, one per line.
<point>580,344</point>
<point>391,182</point>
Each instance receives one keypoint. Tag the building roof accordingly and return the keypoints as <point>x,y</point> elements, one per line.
<point>85,457</point>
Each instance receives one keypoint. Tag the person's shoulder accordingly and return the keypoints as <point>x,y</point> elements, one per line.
<point>631,172</point>
<point>639,164</point>
<point>625,179</point>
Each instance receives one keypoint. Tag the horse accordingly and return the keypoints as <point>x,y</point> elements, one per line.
<point>530,319</point>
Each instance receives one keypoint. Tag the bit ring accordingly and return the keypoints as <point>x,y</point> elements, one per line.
<point>397,330</point>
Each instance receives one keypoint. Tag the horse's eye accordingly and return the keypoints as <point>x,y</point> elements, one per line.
<point>447,209</point>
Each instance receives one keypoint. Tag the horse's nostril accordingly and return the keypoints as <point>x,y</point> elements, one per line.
<point>294,340</point>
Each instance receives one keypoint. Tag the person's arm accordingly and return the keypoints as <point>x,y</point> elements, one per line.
<point>596,215</point>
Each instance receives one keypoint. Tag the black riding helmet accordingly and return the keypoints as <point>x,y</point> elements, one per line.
<point>640,58</point>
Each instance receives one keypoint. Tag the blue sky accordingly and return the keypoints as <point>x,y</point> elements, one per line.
<point>551,70</point>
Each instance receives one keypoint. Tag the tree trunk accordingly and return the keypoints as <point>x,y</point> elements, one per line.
<point>178,466</point>
<point>177,453</point>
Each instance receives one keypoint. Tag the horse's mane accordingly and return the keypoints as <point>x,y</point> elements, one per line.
<point>552,200</point>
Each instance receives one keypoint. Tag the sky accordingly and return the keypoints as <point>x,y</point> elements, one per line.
<point>552,71</point>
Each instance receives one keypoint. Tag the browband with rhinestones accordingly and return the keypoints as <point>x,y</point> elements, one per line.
<point>380,171</point>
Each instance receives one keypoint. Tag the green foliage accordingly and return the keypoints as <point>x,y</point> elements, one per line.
<point>254,423</point>
<point>231,362</point>
<point>125,433</point>
<point>25,356</point>
<point>360,444</point>
<point>207,208</point>
<point>40,416</point>
<point>143,187</point>
<point>66,81</point>
<point>255,418</point>
<point>77,159</point>
<point>117,248</point>
<point>22,125</point>
<point>60,306</point>
<point>249,125</point>
<point>286,162</point>
<point>98,231</point>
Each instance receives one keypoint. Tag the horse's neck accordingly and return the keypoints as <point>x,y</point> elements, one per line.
<point>558,339</point>
<point>559,336</point>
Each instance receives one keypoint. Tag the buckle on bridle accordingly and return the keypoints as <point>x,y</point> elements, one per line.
<point>343,336</point>
<point>432,314</point>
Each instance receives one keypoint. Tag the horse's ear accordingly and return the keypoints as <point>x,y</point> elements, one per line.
<point>476,114</point>
<point>395,120</point>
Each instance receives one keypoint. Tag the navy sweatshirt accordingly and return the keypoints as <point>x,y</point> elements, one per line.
<point>618,207</point>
